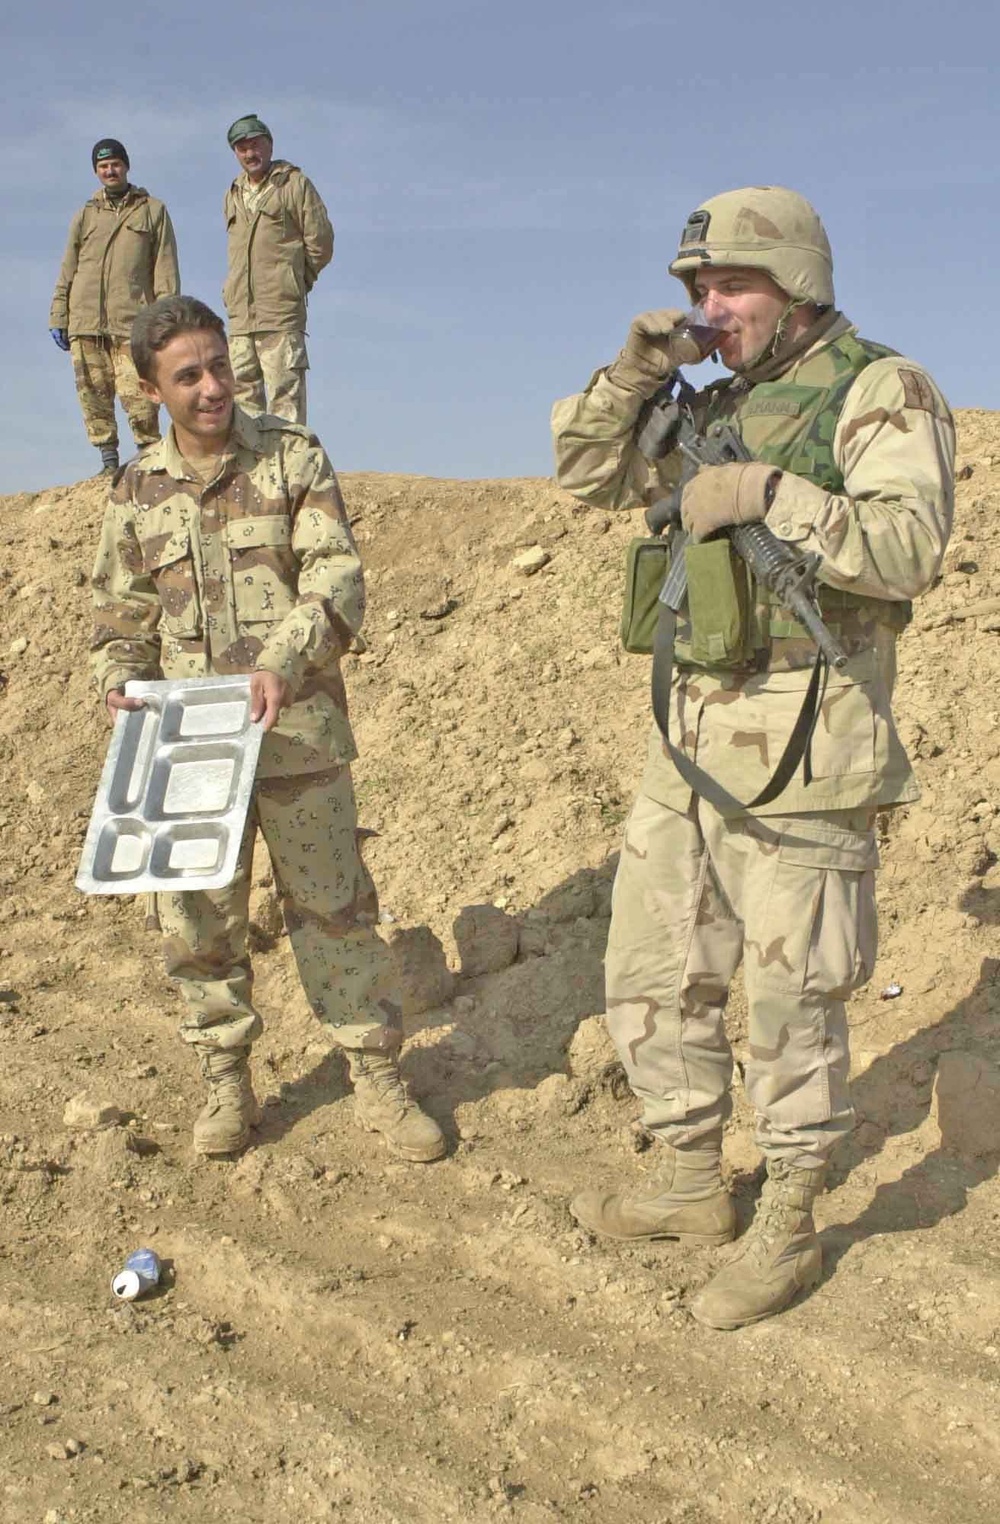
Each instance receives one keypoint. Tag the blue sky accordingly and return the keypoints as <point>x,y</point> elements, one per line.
<point>507,182</point>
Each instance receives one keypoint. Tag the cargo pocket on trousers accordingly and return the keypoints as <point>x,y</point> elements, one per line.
<point>170,562</point>
<point>811,944</point>
<point>298,359</point>
<point>818,932</point>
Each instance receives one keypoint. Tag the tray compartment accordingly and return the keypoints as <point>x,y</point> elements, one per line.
<point>122,851</point>
<point>204,715</point>
<point>189,851</point>
<point>193,781</point>
<point>133,760</point>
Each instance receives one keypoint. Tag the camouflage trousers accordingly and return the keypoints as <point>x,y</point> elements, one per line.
<point>103,367</point>
<point>270,371</point>
<point>330,907</point>
<point>794,898</point>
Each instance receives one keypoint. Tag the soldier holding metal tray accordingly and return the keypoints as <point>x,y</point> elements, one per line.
<point>226,550</point>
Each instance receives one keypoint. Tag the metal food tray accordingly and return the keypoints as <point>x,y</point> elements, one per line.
<point>173,797</point>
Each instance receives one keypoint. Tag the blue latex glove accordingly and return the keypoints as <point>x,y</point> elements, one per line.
<point>61,337</point>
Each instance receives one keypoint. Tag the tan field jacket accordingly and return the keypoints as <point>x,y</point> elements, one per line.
<point>119,257</point>
<point>275,253</point>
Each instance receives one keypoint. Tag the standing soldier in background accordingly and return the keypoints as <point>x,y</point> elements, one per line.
<point>226,549</point>
<point>121,255</point>
<point>279,238</point>
<point>853,459</point>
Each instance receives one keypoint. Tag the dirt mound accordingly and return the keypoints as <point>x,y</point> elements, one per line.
<point>347,1337</point>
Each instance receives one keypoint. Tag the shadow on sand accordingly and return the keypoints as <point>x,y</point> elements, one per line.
<point>517,1025</point>
<point>893,1098</point>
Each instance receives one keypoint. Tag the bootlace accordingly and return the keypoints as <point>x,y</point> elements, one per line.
<point>383,1076</point>
<point>220,1079</point>
<point>777,1216</point>
<point>774,1218</point>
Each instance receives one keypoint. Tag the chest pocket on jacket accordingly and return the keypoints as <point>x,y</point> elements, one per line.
<point>264,569</point>
<point>273,221</point>
<point>170,561</point>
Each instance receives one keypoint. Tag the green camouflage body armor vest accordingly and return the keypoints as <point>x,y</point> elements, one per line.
<point>790,425</point>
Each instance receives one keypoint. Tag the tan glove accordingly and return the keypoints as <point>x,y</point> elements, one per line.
<point>739,493</point>
<point>653,351</point>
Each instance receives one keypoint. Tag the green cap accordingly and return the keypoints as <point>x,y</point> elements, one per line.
<point>247,127</point>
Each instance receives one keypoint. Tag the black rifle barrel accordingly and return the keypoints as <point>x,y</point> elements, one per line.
<point>790,577</point>
<point>789,574</point>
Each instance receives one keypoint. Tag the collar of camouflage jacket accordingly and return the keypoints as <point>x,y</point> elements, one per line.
<point>165,455</point>
<point>830,325</point>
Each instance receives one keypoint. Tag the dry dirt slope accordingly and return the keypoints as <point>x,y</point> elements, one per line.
<point>347,1338</point>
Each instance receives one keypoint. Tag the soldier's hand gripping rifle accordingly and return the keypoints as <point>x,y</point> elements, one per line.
<point>788,573</point>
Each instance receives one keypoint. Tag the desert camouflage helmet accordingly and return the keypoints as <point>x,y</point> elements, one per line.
<point>764,227</point>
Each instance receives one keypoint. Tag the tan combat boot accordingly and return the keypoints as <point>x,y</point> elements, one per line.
<point>223,1126</point>
<point>777,1257</point>
<point>686,1199</point>
<point>382,1104</point>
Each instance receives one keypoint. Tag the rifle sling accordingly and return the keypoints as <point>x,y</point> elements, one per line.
<point>797,746</point>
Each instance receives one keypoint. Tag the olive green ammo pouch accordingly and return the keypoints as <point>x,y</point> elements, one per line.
<point>646,567</point>
<point>719,604</point>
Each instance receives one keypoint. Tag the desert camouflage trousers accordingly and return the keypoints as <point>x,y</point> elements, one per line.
<point>330,907</point>
<point>102,367</point>
<point>793,897</point>
<point>270,371</point>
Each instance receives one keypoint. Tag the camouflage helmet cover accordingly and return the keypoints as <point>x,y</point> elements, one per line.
<point>764,227</point>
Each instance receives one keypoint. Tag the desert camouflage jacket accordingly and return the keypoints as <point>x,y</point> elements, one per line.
<point>120,256</point>
<point>257,571</point>
<point>275,252</point>
<point>882,537</point>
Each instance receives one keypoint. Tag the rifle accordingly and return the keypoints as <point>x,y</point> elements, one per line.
<point>789,574</point>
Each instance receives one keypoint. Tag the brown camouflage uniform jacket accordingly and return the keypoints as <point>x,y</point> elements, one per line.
<point>120,256</point>
<point>884,537</point>
<point>258,571</point>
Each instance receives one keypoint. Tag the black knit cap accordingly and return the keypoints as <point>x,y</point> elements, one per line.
<point>109,148</point>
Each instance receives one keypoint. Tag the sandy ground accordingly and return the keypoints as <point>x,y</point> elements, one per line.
<point>341,1336</point>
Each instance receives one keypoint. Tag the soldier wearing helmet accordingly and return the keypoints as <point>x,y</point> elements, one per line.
<point>853,452</point>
